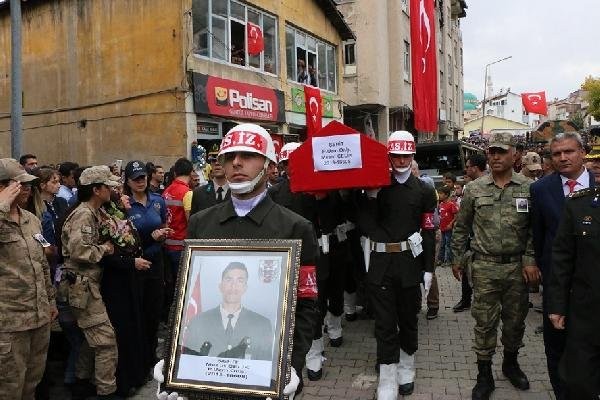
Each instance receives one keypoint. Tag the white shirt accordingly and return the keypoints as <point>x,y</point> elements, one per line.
<point>583,182</point>
<point>225,189</point>
<point>243,207</point>
<point>225,318</point>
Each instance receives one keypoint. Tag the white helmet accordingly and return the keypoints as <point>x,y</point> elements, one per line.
<point>287,149</point>
<point>251,138</point>
<point>401,142</point>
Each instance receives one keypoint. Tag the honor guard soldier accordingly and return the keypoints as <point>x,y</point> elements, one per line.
<point>27,295</point>
<point>325,212</point>
<point>495,209</point>
<point>398,219</point>
<point>575,299</point>
<point>80,283</point>
<point>246,152</point>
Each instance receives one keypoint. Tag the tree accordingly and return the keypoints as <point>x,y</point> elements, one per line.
<point>592,87</point>
<point>577,119</point>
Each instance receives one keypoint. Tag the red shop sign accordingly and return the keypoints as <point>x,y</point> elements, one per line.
<point>227,98</point>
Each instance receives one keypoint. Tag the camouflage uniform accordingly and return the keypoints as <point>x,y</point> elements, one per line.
<point>502,244</point>
<point>26,300</point>
<point>82,251</point>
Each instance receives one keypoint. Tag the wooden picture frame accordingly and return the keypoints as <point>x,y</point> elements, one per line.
<point>232,319</point>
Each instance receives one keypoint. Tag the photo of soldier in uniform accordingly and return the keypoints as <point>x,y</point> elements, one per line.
<point>230,330</point>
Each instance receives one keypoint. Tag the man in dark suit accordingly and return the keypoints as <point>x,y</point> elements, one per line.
<point>548,199</point>
<point>231,330</point>
<point>574,281</point>
<point>215,191</point>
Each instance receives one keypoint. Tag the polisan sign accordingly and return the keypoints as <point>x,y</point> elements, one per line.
<point>227,98</point>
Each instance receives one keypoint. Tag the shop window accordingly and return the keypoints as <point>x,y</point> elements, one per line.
<point>220,33</point>
<point>310,61</point>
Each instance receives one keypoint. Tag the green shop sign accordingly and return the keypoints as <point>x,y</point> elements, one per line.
<point>299,104</point>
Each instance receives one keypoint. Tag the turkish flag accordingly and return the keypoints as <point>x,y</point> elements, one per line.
<point>535,103</point>
<point>256,42</point>
<point>424,66</point>
<point>194,305</point>
<point>314,121</point>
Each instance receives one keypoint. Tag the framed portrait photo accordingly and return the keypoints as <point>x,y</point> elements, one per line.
<point>232,319</point>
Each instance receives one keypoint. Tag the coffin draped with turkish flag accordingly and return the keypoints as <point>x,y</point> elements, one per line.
<point>338,157</point>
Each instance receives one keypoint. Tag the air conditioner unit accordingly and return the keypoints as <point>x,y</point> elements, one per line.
<point>442,114</point>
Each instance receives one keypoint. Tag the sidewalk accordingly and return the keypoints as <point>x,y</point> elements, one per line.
<point>446,368</point>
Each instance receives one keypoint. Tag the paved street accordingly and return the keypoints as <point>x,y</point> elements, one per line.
<point>446,367</point>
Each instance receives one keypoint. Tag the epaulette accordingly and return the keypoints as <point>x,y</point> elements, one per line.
<point>585,192</point>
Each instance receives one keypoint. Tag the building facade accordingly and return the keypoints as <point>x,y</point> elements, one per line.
<point>124,79</point>
<point>377,67</point>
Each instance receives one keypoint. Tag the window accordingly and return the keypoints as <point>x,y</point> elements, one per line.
<point>220,33</point>
<point>310,61</point>
<point>349,57</point>
<point>406,61</point>
<point>450,70</point>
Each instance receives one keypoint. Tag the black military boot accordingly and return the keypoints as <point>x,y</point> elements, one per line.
<point>485,381</point>
<point>512,370</point>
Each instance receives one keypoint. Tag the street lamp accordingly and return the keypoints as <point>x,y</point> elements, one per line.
<point>485,89</point>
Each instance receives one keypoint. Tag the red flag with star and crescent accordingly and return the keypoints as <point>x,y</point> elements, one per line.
<point>424,65</point>
<point>535,103</point>
<point>194,305</point>
<point>256,42</point>
<point>314,122</point>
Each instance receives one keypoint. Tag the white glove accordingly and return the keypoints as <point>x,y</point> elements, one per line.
<point>158,376</point>
<point>290,389</point>
<point>427,279</point>
<point>372,193</point>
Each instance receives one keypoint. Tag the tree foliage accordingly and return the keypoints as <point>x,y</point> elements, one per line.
<point>592,87</point>
<point>577,119</point>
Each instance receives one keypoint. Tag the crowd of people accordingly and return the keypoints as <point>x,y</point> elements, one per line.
<point>99,249</point>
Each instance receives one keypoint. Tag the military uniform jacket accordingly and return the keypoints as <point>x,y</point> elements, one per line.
<point>266,221</point>
<point>575,276</point>
<point>27,293</point>
<point>392,217</point>
<point>325,215</point>
<point>498,218</point>
<point>81,242</point>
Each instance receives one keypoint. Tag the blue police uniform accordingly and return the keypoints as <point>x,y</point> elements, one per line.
<point>146,219</point>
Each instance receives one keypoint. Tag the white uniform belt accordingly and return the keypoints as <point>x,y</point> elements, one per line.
<point>173,242</point>
<point>390,247</point>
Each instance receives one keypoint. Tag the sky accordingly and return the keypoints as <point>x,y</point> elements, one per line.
<point>554,45</point>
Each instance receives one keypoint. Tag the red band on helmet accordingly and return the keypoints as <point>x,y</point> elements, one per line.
<point>307,282</point>
<point>427,221</point>
<point>245,139</point>
<point>401,145</point>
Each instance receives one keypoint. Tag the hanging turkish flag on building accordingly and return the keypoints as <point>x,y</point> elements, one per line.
<point>256,42</point>
<point>535,103</point>
<point>424,66</point>
<point>314,121</point>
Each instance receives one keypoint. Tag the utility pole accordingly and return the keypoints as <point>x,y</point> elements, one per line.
<point>16,88</point>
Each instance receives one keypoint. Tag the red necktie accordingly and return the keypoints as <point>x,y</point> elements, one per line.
<point>571,184</point>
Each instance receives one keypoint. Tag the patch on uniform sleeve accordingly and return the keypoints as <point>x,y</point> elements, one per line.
<point>86,229</point>
<point>427,221</point>
<point>307,282</point>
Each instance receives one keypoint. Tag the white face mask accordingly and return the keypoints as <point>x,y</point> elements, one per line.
<point>401,170</point>
<point>248,186</point>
